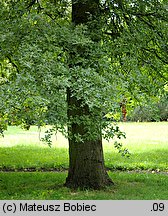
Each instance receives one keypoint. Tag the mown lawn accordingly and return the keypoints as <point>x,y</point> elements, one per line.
<point>145,176</point>
<point>49,186</point>
<point>147,142</point>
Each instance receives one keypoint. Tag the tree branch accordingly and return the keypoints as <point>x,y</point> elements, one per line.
<point>156,54</point>
<point>31,4</point>
<point>13,64</point>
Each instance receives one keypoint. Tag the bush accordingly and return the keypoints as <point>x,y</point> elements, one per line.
<point>151,112</point>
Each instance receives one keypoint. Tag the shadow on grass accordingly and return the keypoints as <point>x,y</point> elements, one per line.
<point>42,186</point>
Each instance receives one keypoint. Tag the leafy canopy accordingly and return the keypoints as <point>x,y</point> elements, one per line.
<point>120,53</point>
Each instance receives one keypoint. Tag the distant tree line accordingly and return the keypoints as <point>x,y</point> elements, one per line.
<point>151,111</point>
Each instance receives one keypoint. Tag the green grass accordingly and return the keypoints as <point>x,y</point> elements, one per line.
<point>147,142</point>
<point>20,157</point>
<point>49,186</point>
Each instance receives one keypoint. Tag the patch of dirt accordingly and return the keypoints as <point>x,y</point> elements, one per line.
<point>140,171</point>
<point>63,169</point>
<point>33,169</point>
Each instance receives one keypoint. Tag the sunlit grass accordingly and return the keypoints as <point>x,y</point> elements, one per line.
<point>144,178</point>
<point>17,136</point>
<point>147,142</point>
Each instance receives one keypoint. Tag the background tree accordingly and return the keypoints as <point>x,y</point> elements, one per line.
<point>70,64</point>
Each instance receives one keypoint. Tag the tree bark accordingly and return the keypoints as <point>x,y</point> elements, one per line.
<point>86,160</point>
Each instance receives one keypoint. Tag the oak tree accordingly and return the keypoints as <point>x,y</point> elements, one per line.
<point>69,63</point>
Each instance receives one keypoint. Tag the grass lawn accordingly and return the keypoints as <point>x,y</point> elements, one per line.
<point>22,150</point>
<point>49,186</point>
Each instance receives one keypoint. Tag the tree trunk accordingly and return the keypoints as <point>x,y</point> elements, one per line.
<point>86,160</point>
